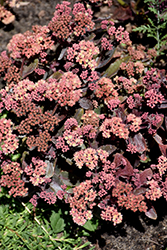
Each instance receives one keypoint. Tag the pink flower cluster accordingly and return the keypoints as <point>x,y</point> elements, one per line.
<point>12,178</point>
<point>65,24</point>
<point>82,202</point>
<point>105,87</point>
<point>111,214</point>
<point>126,198</point>
<point>36,170</point>
<point>83,53</point>
<point>8,141</point>
<point>115,126</point>
<point>30,43</point>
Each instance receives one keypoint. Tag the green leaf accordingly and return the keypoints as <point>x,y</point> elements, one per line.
<point>57,223</point>
<point>15,157</point>
<point>154,10</point>
<point>91,225</point>
<point>114,67</point>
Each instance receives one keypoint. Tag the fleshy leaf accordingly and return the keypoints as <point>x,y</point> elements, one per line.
<point>106,61</point>
<point>140,190</point>
<point>56,75</point>
<point>109,148</point>
<point>78,114</point>
<point>140,143</point>
<point>85,103</point>
<point>162,147</point>
<point>151,213</point>
<point>127,171</point>
<point>57,223</point>
<point>27,70</point>
<point>114,67</point>
<point>49,169</point>
<point>145,176</point>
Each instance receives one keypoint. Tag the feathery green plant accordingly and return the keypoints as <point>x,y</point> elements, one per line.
<point>156,26</point>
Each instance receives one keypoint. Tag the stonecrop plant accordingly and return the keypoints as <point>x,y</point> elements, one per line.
<point>83,117</point>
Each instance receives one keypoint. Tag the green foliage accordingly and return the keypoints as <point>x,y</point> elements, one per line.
<point>20,230</point>
<point>91,225</point>
<point>156,26</point>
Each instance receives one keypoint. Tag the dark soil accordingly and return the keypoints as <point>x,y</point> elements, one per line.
<point>137,232</point>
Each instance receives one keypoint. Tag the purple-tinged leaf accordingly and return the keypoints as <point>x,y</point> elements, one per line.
<point>49,169</point>
<point>106,61</point>
<point>140,190</point>
<point>85,103</point>
<point>145,176</point>
<point>162,147</point>
<point>125,172</point>
<point>109,148</point>
<point>140,143</point>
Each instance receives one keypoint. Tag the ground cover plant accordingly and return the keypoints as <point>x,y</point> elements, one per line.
<point>83,118</point>
<point>20,228</point>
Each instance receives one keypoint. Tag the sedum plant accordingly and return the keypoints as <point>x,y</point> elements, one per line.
<point>156,27</point>
<point>82,115</point>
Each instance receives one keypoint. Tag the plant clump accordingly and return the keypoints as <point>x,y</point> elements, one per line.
<point>83,112</point>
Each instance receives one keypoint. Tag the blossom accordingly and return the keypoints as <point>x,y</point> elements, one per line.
<point>112,102</point>
<point>83,53</point>
<point>111,214</point>
<point>33,200</point>
<point>36,170</point>
<point>12,178</point>
<point>82,199</point>
<point>60,144</point>
<point>105,87</point>
<point>153,98</point>
<point>162,165</point>
<point>49,197</point>
<point>154,191</point>
<point>134,101</point>
<point>106,44</point>
<point>114,125</point>
<point>73,138</point>
<point>30,43</point>
<point>63,24</point>
<point>8,141</point>
<point>136,122</point>
<point>125,197</point>
<point>132,148</point>
<point>66,91</point>
<point>87,157</point>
